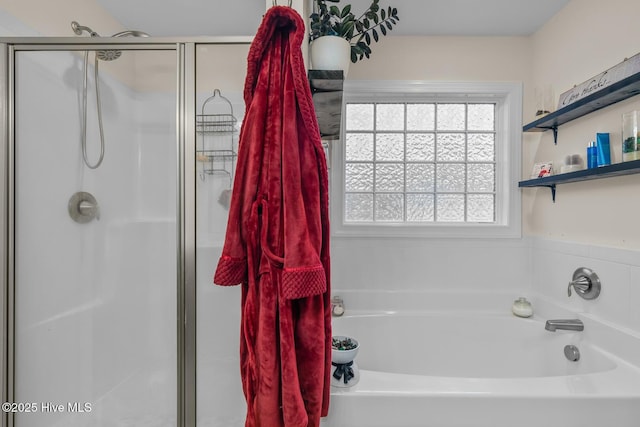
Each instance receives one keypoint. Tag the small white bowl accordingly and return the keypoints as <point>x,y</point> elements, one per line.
<point>344,356</point>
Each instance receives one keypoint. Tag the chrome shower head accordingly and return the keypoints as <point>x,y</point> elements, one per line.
<point>111,54</point>
<point>108,55</point>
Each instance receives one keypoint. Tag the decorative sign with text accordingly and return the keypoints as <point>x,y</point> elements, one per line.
<point>626,68</point>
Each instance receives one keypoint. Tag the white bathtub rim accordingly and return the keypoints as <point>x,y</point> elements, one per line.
<point>441,298</point>
<point>620,382</point>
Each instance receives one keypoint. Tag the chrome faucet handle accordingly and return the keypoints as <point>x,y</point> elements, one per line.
<point>582,284</point>
<point>586,283</point>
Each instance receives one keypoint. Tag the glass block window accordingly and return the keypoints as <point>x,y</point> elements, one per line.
<point>420,162</point>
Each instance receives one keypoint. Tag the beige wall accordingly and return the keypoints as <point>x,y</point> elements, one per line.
<point>447,58</point>
<point>584,39</point>
<point>53,18</point>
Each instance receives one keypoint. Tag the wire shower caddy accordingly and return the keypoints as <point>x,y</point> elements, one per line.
<point>220,159</point>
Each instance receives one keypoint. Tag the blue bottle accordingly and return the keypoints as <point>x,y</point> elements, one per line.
<point>604,151</point>
<point>592,156</point>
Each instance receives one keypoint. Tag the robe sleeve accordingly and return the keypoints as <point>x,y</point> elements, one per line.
<point>233,265</point>
<point>230,271</point>
<point>303,274</point>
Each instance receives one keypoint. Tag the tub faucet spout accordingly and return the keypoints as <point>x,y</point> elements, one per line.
<point>566,324</point>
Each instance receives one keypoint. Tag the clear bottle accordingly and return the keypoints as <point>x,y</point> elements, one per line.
<point>630,136</point>
<point>522,308</point>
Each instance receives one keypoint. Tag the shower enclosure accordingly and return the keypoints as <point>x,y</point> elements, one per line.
<point>107,318</point>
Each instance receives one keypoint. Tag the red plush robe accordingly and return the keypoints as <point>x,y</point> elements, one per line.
<point>277,241</point>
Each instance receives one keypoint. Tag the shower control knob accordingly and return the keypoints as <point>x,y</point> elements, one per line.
<point>89,209</point>
<point>83,207</point>
<point>586,283</point>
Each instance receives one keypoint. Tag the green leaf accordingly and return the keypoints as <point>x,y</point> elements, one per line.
<point>354,57</point>
<point>389,26</point>
<point>383,30</point>
<point>366,23</point>
<point>374,33</point>
<point>383,14</point>
<point>334,10</point>
<point>345,11</point>
<point>367,38</point>
<point>362,49</point>
<point>347,30</point>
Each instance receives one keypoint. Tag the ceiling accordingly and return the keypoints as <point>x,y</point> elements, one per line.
<point>417,17</point>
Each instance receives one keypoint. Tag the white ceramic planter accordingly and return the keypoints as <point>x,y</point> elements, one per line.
<point>331,53</point>
<point>344,356</point>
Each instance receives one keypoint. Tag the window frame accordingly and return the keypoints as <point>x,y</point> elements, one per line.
<point>508,124</point>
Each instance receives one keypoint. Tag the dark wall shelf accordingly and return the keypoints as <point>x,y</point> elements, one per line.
<point>618,169</point>
<point>616,92</point>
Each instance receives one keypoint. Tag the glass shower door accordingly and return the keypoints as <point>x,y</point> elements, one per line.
<point>95,264</point>
<point>219,96</point>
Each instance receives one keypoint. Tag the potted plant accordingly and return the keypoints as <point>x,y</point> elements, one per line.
<point>345,372</point>
<point>343,349</point>
<point>358,32</point>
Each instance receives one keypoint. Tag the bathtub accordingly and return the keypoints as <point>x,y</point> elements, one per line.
<point>447,359</point>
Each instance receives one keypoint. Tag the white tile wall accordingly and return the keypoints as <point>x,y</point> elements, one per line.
<point>532,264</point>
<point>554,262</point>
<point>429,264</point>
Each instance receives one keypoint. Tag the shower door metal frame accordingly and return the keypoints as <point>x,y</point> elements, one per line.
<point>186,197</point>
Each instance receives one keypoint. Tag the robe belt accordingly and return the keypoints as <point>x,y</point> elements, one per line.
<point>343,369</point>
<point>262,219</point>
